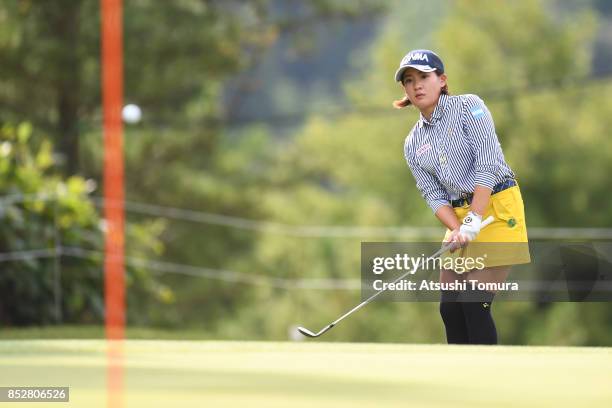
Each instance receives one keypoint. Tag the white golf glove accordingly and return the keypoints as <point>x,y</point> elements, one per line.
<point>472,223</point>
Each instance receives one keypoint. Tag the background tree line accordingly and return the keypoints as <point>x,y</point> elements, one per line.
<point>195,67</point>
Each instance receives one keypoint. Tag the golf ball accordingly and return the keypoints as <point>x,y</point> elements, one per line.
<point>131,113</point>
<point>294,334</point>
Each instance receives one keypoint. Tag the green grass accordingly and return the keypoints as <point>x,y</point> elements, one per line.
<point>252,374</point>
<point>97,332</point>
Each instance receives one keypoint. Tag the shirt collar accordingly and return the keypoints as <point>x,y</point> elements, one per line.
<point>437,113</point>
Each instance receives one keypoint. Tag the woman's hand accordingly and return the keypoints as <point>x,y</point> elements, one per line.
<point>457,239</point>
<point>467,232</point>
<point>472,223</point>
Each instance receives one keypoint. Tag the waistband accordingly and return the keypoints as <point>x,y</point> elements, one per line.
<point>468,197</point>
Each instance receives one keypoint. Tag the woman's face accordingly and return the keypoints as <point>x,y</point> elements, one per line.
<point>423,88</point>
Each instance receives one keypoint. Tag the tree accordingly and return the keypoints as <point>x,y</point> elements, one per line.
<point>178,56</point>
<point>51,241</point>
<point>349,170</point>
<point>549,114</point>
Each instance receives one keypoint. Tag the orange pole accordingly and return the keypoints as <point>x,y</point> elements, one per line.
<point>112,94</point>
<point>114,270</point>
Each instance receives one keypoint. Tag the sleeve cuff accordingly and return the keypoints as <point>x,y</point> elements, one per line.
<point>485,179</point>
<point>436,204</point>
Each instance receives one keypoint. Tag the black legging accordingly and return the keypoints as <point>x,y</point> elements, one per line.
<point>467,321</point>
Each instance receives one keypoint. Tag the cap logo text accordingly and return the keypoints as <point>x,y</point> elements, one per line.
<point>418,56</point>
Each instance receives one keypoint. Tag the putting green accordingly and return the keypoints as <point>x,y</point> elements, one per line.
<point>313,374</point>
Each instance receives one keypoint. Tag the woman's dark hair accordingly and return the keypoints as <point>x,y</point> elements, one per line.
<point>402,103</point>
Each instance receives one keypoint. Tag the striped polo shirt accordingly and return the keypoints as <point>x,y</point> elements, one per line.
<point>455,151</point>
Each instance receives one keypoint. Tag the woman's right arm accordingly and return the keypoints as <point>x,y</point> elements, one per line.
<point>447,216</point>
<point>436,197</point>
<point>432,191</point>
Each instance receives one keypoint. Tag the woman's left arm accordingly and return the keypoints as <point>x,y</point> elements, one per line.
<point>479,126</point>
<point>480,129</point>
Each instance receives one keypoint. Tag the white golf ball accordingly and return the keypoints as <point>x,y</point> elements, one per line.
<point>131,113</point>
<point>294,334</point>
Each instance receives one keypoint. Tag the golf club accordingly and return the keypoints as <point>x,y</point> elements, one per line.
<point>444,248</point>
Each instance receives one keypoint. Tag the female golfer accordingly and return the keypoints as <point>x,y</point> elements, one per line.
<point>457,162</point>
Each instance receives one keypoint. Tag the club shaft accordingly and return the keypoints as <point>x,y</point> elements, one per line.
<point>439,252</point>
<point>368,300</point>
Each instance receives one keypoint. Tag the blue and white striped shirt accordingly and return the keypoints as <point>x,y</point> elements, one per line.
<point>455,151</point>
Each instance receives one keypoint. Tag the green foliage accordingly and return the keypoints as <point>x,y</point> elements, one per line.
<point>181,58</point>
<point>499,43</point>
<point>51,241</point>
<point>33,219</point>
<point>551,120</point>
<point>180,156</point>
<point>550,117</point>
<point>177,57</point>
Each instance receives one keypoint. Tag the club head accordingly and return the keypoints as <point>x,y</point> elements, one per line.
<point>306,332</point>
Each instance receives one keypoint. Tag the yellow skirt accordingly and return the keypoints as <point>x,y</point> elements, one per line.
<point>504,241</point>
